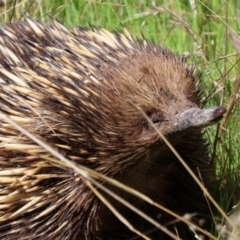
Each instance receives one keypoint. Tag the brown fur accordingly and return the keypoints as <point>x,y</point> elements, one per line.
<point>80,92</point>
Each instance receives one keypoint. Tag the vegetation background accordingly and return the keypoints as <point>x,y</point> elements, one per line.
<point>196,29</point>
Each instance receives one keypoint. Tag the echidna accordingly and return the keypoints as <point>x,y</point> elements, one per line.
<point>84,93</point>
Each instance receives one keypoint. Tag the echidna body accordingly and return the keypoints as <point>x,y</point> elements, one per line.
<point>81,92</point>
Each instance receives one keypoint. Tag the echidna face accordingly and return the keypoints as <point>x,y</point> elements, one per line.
<point>163,87</point>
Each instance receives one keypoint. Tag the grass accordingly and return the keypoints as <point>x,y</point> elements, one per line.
<point>200,29</point>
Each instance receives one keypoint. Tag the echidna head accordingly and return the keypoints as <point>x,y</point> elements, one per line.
<point>159,84</point>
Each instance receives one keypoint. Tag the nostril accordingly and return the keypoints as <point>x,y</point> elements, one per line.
<point>218,113</point>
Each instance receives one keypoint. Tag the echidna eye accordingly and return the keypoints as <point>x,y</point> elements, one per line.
<point>156,116</point>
